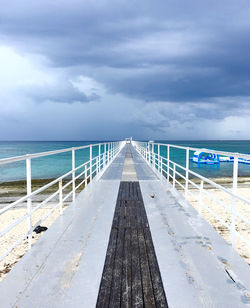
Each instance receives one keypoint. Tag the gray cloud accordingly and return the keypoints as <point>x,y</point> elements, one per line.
<point>188,60</point>
<point>64,92</point>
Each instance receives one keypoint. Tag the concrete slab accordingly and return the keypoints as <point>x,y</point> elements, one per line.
<point>193,258</point>
<point>129,171</point>
<point>114,172</point>
<point>143,171</point>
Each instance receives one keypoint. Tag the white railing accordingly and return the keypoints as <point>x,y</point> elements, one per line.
<point>173,172</point>
<point>95,166</point>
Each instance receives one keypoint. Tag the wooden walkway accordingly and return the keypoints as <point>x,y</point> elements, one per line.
<point>131,276</point>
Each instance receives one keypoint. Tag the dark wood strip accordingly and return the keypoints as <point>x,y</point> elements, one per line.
<point>137,299</point>
<point>115,296</point>
<point>105,287</point>
<point>159,293</point>
<point>131,276</point>
<point>126,273</point>
<point>148,294</point>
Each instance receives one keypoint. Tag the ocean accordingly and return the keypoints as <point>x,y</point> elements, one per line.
<point>56,165</point>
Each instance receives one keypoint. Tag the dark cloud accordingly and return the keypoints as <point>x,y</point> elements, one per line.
<point>175,53</point>
<point>97,34</point>
<point>64,92</point>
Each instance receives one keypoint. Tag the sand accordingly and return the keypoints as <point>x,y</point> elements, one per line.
<point>225,213</point>
<point>14,235</point>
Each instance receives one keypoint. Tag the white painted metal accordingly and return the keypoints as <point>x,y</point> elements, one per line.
<point>234,200</point>
<point>29,200</point>
<point>90,159</point>
<point>187,168</point>
<point>174,176</point>
<point>74,174</point>
<point>61,195</point>
<point>200,196</point>
<point>168,161</point>
<point>99,158</point>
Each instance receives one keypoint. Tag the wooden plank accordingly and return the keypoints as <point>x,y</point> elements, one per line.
<point>105,287</point>
<point>137,298</point>
<point>138,190</point>
<point>159,293</point>
<point>148,294</point>
<point>126,273</point>
<point>116,218</point>
<point>115,294</point>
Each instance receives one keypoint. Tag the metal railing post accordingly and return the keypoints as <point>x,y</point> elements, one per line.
<point>90,161</point>
<point>99,162</point>
<point>187,169</point>
<point>158,160</point>
<point>60,195</point>
<point>153,149</point>
<point>161,167</point>
<point>234,201</point>
<point>29,201</point>
<point>168,161</point>
<point>174,176</point>
<point>105,154</point>
<point>85,176</point>
<point>73,174</point>
<point>200,196</point>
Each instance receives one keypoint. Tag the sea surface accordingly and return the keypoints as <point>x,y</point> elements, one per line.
<point>56,165</point>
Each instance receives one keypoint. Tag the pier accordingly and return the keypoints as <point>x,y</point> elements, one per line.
<point>129,239</point>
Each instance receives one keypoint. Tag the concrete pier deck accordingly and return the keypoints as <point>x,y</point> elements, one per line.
<point>66,267</point>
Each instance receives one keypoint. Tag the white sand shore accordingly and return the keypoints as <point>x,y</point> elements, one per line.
<point>225,213</point>
<point>12,236</point>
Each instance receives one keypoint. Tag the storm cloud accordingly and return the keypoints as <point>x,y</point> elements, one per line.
<point>153,69</point>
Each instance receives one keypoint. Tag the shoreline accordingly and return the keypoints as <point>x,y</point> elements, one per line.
<point>13,190</point>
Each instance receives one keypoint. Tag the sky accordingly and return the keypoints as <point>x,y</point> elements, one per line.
<point>106,70</point>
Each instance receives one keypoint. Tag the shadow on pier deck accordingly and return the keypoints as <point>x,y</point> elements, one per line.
<point>157,251</point>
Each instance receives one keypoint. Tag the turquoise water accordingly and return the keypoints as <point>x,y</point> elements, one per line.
<point>44,167</point>
<point>56,165</point>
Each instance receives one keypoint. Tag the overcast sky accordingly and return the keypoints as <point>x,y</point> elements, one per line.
<point>93,70</point>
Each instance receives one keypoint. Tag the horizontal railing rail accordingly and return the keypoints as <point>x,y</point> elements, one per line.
<point>93,167</point>
<point>184,177</point>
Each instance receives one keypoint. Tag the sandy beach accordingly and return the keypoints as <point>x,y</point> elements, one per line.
<point>208,203</point>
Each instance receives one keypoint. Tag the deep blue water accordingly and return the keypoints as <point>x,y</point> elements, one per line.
<point>56,165</point>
